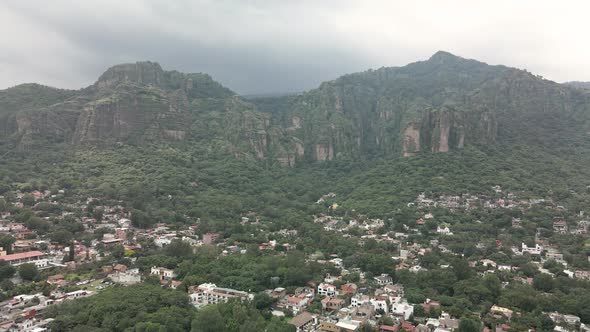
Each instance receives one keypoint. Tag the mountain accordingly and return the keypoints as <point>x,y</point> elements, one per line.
<point>437,105</point>
<point>579,85</point>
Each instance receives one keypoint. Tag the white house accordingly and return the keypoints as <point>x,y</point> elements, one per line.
<point>402,309</point>
<point>211,294</point>
<point>443,230</point>
<point>327,289</point>
<point>536,250</point>
<point>384,279</point>
<point>380,304</point>
<point>163,273</point>
<point>128,277</point>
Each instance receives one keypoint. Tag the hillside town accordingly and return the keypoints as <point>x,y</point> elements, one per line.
<point>346,299</point>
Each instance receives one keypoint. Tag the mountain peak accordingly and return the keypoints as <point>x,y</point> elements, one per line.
<point>145,72</point>
<point>444,56</point>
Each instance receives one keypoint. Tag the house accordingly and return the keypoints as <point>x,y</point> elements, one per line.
<point>348,289</point>
<point>348,325</point>
<point>407,326</point>
<point>120,268</point>
<point>109,242</point>
<point>329,303</point>
<point>402,309</point>
<point>416,269</point>
<point>163,273</point>
<point>330,278</point>
<point>298,303</point>
<point>501,310</point>
<point>555,255</point>
<point>380,304</point>
<point>55,279</point>
<point>561,318</point>
<point>23,257</point>
<point>430,305</point>
<point>446,322</point>
<point>211,294</point>
<point>384,279</point>
<point>327,289</point>
<point>278,292</point>
<point>560,226</point>
<point>210,238</point>
<point>126,276</point>
<point>338,262</point>
<point>358,300</point>
<point>488,263</point>
<point>302,321</point>
<point>443,230</point>
<point>516,223</point>
<point>327,326</point>
<point>536,250</point>
<point>174,284</point>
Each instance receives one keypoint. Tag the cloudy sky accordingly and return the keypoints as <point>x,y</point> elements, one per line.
<point>284,46</point>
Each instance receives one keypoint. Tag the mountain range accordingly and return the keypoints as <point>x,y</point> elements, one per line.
<point>441,104</point>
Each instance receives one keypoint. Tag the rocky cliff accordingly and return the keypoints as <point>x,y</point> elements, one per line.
<point>437,105</point>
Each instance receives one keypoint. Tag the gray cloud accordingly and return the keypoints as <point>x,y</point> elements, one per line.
<point>283,46</point>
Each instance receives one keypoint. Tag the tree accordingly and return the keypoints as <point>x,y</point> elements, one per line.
<point>28,271</point>
<point>118,251</point>
<point>6,270</point>
<point>61,236</point>
<point>28,200</point>
<point>461,269</point>
<point>208,319</point>
<point>262,301</point>
<point>178,248</point>
<point>469,325</point>
<point>543,282</point>
<point>6,242</point>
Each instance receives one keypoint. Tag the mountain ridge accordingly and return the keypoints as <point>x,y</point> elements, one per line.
<point>436,105</point>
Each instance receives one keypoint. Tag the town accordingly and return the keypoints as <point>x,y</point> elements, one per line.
<point>43,264</point>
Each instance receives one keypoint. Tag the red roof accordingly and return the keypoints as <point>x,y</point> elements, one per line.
<point>387,328</point>
<point>408,326</point>
<point>21,255</point>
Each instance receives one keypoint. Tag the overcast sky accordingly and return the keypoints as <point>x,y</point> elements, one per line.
<point>284,46</point>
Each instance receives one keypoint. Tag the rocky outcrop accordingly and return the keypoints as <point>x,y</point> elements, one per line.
<point>411,142</point>
<point>324,152</point>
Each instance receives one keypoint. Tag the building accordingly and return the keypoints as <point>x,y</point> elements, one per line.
<point>443,230</point>
<point>121,233</point>
<point>23,257</point>
<point>358,300</point>
<point>126,277</point>
<point>332,304</point>
<point>211,294</point>
<point>384,279</point>
<point>349,288</point>
<point>327,289</point>
<point>560,226</point>
<point>210,238</point>
<point>402,309</point>
<point>536,250</point>
<point>380,304</point>
<point>302,321</point>
<point>430,305</point>
<point>163,273</point>
<point>501,310</point>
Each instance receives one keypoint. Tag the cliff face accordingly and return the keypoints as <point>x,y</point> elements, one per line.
<point>437,105</point>
<point>433,106</point>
